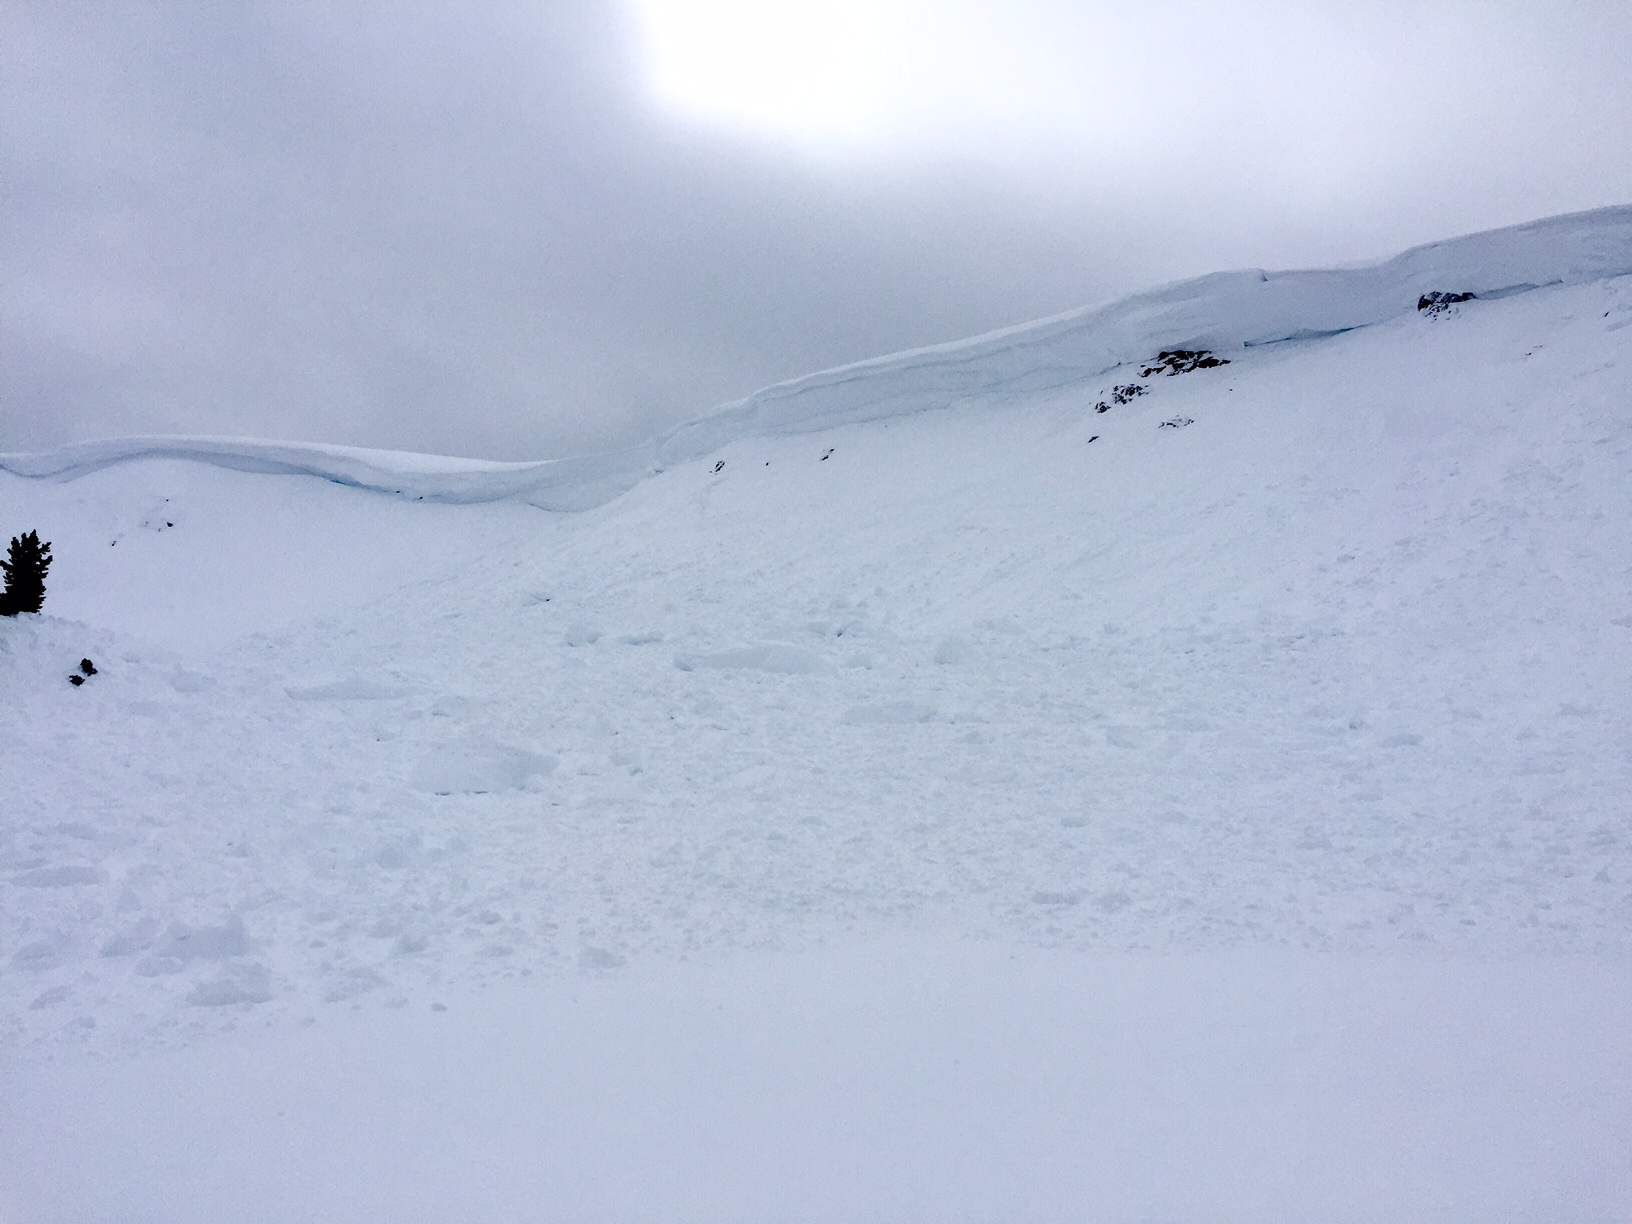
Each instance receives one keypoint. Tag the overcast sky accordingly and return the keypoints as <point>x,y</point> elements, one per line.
<point>523,230</point>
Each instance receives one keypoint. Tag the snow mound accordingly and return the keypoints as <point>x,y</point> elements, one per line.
<point>1223,312</point>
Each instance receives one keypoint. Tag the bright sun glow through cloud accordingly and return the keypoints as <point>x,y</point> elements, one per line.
<point>997,76</point>
<point>1022,77</point>
<point>848,73</point>
<point>822,71</point>
<point>1323,94</point>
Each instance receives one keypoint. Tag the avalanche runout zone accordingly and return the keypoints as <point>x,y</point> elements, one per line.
<point>1343,666</point>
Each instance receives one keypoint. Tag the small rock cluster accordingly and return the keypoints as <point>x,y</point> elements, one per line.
<point>1437,303</point>
<point>1182,361</point>
<point>1123,394</point>
<point>1170,362</point>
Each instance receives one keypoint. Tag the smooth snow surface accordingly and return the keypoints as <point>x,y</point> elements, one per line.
<point>911,1080</point>
<point>1012,811</point>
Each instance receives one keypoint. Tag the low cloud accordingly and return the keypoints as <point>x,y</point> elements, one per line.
<point>477,231</point>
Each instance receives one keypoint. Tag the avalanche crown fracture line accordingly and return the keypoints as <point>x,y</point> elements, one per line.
<point>1222,312</point>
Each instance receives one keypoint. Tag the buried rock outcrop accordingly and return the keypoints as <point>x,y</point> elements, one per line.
<point>1434,304</point>
<point>1182,361</point>
<point>1124,393</point>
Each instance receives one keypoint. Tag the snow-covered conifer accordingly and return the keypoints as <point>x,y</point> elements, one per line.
<point>27,561</point>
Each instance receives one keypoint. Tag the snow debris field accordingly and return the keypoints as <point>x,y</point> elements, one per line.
<point>954,787</point>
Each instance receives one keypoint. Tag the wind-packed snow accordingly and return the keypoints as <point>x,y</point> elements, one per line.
<point>1011,811</point>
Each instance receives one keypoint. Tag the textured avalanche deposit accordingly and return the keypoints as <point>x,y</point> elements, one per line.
<point>1312,718</point>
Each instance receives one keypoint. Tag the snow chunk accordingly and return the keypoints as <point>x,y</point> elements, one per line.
<point>897,712</point>
<point>58,877</point>
<point>1056,898</point>
<point>770,657</point>
<point>594,959</point>
<point>478,769</point>
<point>349,690</point>
<point>49,998</point>
<point>1122,736</point>
<point>135,939</point>
<point>39,955</point>
<point>184,681</point>
<point>238,984</point>
<point>183,943</point>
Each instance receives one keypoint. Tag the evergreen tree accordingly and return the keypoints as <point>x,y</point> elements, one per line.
<point>25,566</point>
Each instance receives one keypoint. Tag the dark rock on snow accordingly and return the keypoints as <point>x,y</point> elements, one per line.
<point>1437,303</point>
<point>1182,361</point>
<point>1126,393</point>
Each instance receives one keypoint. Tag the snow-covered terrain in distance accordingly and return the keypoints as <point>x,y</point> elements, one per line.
<point>1218,807</point>
<point>1229,310</point>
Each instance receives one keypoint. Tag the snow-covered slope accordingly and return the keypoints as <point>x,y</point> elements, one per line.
<point>1210,808</point>
<point>1223,312</point>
